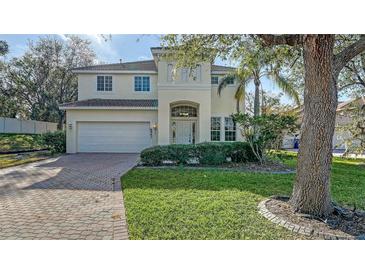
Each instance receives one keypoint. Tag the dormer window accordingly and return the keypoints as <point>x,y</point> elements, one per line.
<point>104,83</point>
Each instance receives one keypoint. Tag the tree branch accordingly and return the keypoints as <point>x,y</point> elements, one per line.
<point>285,39</point>
<point>345,56</point>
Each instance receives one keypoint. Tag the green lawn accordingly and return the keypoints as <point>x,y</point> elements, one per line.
<point>209,204</point>
<point>17,142</point>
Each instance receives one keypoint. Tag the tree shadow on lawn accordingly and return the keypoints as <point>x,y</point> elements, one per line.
<point>264,184</point>
<point>347,182</point>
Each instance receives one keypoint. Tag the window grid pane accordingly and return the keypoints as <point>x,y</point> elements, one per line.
<point>230,81</point>
<point>108,83</point>
<point>214,80</point>
<point>229,129</point>
<point>100,83</point>
<point>142,83</point>
<point>215,129</point>
<point>138,83</point>
<point>183,111</point>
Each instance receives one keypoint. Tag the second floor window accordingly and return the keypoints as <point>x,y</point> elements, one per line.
<point>142,83</point>
<point>230,81</point>
<point>214,80</point>
<point>104,83</point>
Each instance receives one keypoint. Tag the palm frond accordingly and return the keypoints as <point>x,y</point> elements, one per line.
<point>224,82</point>
<point>285,86</point>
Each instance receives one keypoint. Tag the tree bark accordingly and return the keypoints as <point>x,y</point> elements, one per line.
<point>256,108</point>
<point>311,193</point>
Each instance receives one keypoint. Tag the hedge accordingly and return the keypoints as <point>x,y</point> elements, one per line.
<point>209,153</point>
<point>55,141</point>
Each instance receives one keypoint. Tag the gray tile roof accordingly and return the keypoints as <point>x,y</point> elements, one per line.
<point>148,65</point>
<point>138,103</point>
<point>222,68</point>
<point>137,66</point>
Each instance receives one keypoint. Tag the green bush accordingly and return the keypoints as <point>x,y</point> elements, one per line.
<point>55,141</point>
<point>209,153</point>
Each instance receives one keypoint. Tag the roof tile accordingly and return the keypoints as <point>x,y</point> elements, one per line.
<point>138,103</point>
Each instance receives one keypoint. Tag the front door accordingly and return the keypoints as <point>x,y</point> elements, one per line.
<point>185,132</point>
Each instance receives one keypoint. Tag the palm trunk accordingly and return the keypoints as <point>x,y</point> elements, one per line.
<point>311,193</point>
<point>256,108</point>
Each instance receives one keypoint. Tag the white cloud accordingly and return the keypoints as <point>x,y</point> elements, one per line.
<point>104,49</point>
<point>143,57</point>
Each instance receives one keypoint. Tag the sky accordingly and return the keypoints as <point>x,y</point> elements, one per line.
<point>131,47</point>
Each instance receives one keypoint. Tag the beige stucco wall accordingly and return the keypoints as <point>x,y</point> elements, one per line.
<point>123,87</point>
<point>74,116</point>
<point>225,105</point>
<point>200,92</point>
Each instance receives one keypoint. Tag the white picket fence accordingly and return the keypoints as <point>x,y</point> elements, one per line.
<point>12,125</point>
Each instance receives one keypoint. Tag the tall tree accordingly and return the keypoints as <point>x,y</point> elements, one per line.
<point>42,78</point>
<point>8,103</point>
<point>322,66</point>
<point>4,48</point>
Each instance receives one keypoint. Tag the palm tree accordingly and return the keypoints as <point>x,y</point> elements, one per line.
<point>245,75</point>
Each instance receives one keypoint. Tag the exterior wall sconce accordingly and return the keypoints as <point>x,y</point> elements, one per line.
<point>70,126</point>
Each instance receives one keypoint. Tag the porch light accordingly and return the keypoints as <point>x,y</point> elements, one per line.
<point>70,126</point>
<point>154,126</point>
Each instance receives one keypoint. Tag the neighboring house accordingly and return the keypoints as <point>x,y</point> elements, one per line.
<point>126,107</point>
<point>343,117</point>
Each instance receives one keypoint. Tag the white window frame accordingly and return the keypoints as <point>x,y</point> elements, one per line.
<point>214,76</point>
<point>170,73</point>
<point>104,83</point>
<point>134,83</point>
<point>184,74</point>
<point>216,130</point>
<point>225,131</point>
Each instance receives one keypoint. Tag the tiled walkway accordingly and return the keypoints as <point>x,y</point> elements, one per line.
<point>70,197</point>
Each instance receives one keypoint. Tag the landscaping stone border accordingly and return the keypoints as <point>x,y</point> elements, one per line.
<point>297,228</point>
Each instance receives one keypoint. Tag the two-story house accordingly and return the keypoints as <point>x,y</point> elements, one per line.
<point>126,107</point>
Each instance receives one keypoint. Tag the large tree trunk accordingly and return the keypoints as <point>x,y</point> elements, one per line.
<point>256,106</point>
<point>311,192</point>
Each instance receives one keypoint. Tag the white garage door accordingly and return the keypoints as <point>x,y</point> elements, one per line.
<point>113,137</point>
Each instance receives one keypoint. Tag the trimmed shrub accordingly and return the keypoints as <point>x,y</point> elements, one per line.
<point>55,141</point>
<point>209,153</point>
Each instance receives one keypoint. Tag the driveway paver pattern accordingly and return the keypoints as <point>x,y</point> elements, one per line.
<point>74,196</point>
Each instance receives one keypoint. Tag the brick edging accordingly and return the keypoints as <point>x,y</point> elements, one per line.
<point>297,228</point>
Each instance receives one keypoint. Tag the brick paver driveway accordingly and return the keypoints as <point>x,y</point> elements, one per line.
<point>70,197</point>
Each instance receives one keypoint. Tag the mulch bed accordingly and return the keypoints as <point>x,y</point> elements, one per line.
<point>343,223</point>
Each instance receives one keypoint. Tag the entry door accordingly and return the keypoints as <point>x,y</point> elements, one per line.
<point>185,132</point>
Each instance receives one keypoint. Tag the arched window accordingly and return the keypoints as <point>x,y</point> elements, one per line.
<point>183,111</point>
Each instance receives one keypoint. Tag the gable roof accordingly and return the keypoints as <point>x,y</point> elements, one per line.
<point>148,65</point>
<point>112,103</point>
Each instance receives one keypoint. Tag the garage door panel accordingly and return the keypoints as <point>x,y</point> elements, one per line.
<point>113,137</point>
